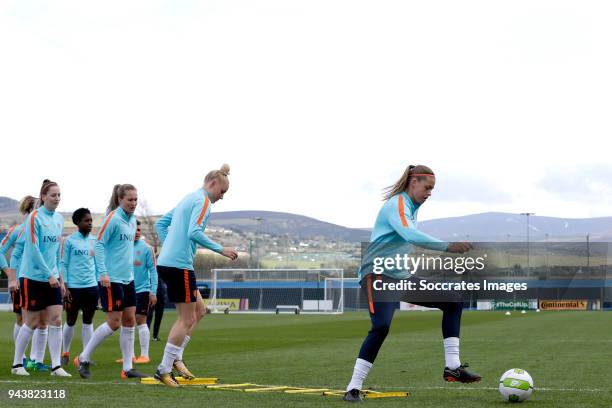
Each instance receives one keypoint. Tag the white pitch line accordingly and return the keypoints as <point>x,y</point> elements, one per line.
<point>27,383</point>
<point>382,389</point>
<point>494,388</point>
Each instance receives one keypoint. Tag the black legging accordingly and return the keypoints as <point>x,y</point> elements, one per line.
<point>381,315</point>
<point>72,314</point>
<point>158,309</point>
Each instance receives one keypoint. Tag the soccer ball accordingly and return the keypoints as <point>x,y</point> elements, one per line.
<point>515,385</point>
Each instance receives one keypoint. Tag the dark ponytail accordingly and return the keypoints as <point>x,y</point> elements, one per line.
<point>46,185</point>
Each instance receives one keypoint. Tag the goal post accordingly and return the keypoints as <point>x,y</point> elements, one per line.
<point>318,291</point>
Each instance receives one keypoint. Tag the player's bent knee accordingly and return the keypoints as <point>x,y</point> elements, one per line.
<point>114,324</point>
<point>71,318</point>
<point>380,330</point>
<point>189,321</point>
<point>456,307</point>
<point>88,315</point>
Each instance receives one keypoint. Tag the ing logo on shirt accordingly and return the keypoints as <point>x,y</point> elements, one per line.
<point>117,302</point>
<point>126,237</point>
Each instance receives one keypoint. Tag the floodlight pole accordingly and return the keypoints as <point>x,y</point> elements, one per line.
<point>258,239</point>
<point>527,214</point>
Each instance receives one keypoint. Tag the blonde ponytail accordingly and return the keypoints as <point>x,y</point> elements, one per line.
<point>119,191</point>
<point>26,205</point>
<point>220,174</point>
<point>419,171</point>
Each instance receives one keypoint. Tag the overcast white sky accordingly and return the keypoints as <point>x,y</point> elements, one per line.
<point>316,105</point>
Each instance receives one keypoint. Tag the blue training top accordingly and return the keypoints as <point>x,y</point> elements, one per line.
<point>182,229</point>
<point>41,250</point>
<point>8,242</point>
<point>145,271</point>
<point>115,247</point>
<point>77,262</point>
<point>395,229</point>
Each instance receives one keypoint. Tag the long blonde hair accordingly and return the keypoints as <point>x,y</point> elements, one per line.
<point>220,174</point>
<point>26,205</point>
<point>419,171</point>
<point>119,191</point>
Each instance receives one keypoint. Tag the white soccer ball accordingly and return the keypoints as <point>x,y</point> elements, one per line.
<point>515,385</point>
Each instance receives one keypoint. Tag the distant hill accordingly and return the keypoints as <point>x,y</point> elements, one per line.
<point>492,226</point>
<point>495,227</point>
<point>8,206</point>
<point>278,223</point>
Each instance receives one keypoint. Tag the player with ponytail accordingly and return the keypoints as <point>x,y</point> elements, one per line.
<point>41,283</point>
<point>397,224</point>
<point>114,255</point>
<point>181,231</point>
<point>26,206</point>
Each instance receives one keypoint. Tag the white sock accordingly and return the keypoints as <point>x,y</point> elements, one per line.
<point>126,341</point>
<point>43,343</point>
<point>360,372</point>
<point>451,352</point>
<point>86,333</point>
<point>170,355</point>
<point>22,341</point>
<point>55,345</point>
<point>38,349</point>
<point>16,328</point>
<point>185,341</point>
<point>68,335</point>
<point>102,332</point>
<point>143,337</point>
<point>33,347</point>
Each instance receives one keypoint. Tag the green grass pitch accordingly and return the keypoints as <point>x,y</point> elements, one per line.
<point>567,353</point>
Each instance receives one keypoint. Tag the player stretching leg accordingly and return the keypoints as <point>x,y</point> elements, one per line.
<point>145,279</point>
<point>114,253</point>
<point>396,222</point>
<point>181,230</point>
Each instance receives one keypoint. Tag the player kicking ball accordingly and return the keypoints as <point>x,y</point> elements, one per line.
<point>396,223</point>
